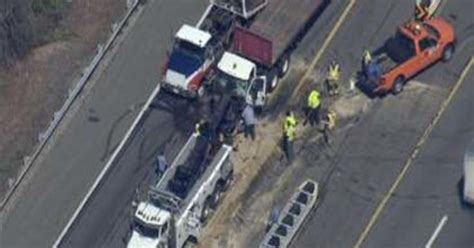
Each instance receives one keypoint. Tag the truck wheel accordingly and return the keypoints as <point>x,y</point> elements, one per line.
<point>448,52</point>
<point>398,85</point>
<point>284,67</point>
<point>273,82</point>
<point>216,196</point>
<point>206,210</point>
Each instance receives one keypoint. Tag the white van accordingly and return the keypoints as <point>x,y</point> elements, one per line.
<point>469,174</point>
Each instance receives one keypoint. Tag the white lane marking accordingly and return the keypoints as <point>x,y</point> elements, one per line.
<point>107,166</point>
<point>436,232</point>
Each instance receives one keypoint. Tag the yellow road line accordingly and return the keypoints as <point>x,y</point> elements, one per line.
<point>323,47</point>
<point>415,152</point>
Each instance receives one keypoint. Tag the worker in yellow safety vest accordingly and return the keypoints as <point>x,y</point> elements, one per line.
<point>289,134</point>
<point>314,105</point>
<point>332,81</point>
<point>290,121</point>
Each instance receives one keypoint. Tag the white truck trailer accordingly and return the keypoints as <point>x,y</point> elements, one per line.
<point>181,202</point>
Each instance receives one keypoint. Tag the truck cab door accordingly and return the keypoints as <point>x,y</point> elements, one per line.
<point>257,91</point>
<point>430,51</point>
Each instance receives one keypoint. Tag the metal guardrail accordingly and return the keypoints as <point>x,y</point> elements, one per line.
<point>73,95</point>
<point>292,216</point>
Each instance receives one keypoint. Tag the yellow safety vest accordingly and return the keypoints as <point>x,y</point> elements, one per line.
<point>334,72</point>
<point>313,99</point>
<point>291,133</point>
<point>290,122</point>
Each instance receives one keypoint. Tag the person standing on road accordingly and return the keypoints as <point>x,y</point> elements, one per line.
<point>249,121</point>
<point>289,135</point>
<point>329,122</point>
<point>314,105</point>
<point>332,81</point>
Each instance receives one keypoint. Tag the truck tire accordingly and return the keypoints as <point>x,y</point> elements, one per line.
<point>284,67</point>
<point>398,85</point>
<point>273,81</point>
<point>216,196</point>
<point>206,210</point>
<point>448,52</point>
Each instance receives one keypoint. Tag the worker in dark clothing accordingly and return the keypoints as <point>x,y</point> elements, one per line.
<point>202,128</point>
<point>329,123</point>
<point>289,135</point>
<point>314,105</point>
<point>250,121</point>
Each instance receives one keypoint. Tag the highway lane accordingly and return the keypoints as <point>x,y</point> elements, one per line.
<point>371,154</point>
<point>431,189</point>
<point>67,168</point>
<point>356,170</point>
<point>367,153</point>
<point>106,219</point>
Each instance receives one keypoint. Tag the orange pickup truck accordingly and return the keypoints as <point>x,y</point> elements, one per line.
<point>415,46</point>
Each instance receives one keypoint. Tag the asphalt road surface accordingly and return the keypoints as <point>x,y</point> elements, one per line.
<point>373,152</point>
<point>431,189</point>
<point>65,171</point>
<point>106,219</point>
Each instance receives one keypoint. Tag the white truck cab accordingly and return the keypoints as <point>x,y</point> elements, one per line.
<point>150,226</point>
<point>244,73</point>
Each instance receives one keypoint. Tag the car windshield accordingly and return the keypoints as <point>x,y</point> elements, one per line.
<point>431,30</point>
<point>400,48</point>
<point>145,230</point>
<point>189,49</point>
<point>236,85</point>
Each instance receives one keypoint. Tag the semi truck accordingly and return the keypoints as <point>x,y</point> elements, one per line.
<point>414,47</point>
<point>180,203</point>
<point>261,35</point>
<point>196,49</point>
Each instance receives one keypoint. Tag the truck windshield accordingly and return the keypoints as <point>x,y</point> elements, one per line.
<point>145,230</point>
<point>189,49</point>
<point>400,48</point>
<point>233,84</point>
<point>431,30</point>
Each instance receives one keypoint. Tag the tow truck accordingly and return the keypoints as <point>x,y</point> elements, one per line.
<point>415,47</point>
<point>180,203</point>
